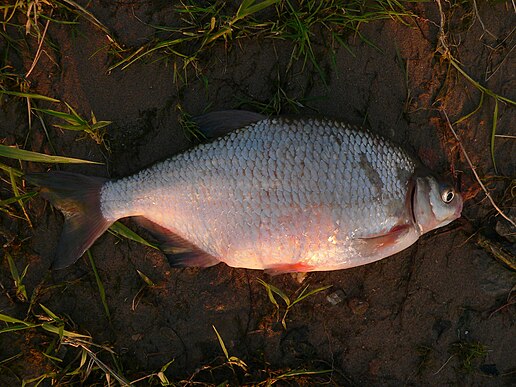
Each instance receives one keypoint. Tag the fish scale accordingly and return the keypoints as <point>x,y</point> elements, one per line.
<point>258,205</point>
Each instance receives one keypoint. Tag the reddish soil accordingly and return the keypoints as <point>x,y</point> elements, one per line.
<point>400,320</point>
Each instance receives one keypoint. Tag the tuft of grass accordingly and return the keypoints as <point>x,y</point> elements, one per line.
<point>21,291</point>
<point>148,283</point>
<point>298,22</point>
<point>188,124</point>
<point>32,16</point>
<point>289,303</point>
<point>280,102</point>
<point>51,323</point>
<point>231,360</point>
<point>468,354</point>
<point>73,121</point>
<point>85,362</point>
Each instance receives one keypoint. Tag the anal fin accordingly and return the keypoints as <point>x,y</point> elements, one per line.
<point>179,251</point>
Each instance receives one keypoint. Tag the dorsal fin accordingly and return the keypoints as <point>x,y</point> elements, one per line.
<point>218,124</point>
<point>179,251</point>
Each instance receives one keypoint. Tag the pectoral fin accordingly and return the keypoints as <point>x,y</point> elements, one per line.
<point>389,241</point>
<point>390,237</point>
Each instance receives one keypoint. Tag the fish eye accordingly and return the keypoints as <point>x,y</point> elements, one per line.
<point>447,195</point>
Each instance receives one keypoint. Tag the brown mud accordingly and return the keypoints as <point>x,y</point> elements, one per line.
<point>400,321</point>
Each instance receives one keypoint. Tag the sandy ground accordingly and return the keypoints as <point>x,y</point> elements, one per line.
<point>399,321</point>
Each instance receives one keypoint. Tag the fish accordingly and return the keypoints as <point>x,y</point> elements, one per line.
<point>280,194</point>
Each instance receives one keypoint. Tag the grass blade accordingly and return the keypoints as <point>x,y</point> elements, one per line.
<point>221,342</point>
<point>21,292</point>
<point>493,134</point>
<point>146,279</point>
<point>8,169</point>
<point>72,119</point>
<point>16,192</point>
<point>15,199</point>
<point>473,112</point>
<point>248,7</point>
<point>25,155</point>
<point>269,292</point>
<point>29,95</point>
<point>120,229</point>
<point>50,314</point>
<point>62,332</point>
<point>12,320</point>
<point>100,285</point>
<point>304,295</point>
<point>292,373</point>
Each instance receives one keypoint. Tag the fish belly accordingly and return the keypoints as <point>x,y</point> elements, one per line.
<point>278,192</point>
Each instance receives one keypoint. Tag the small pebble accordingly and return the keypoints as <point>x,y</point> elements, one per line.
<point>358,307</point>
<point>336,297</point>
<point>374,366</point>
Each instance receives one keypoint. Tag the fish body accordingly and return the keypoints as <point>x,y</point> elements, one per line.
<point>278,194</point>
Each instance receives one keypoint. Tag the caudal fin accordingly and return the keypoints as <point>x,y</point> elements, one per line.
<point>78,198</point>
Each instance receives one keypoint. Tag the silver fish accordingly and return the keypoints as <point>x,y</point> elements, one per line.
<point>280,194</point>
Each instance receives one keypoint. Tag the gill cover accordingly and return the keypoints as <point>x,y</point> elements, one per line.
<point>434,204</point>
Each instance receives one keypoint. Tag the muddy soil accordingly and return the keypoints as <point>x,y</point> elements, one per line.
<point>405,320</point>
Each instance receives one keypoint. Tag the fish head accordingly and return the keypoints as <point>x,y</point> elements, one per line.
<point>434,203</point>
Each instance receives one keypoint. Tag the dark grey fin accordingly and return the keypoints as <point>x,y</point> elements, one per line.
<point>78,198</point>
<point>179,251</point>
<point>218,124</point>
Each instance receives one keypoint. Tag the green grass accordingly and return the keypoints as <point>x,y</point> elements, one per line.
<point>100,285</point>
<point>36,157</point>
<point>279,103</point>
<point>312,28</point>
<point>230,360</point>
<point>445,49</point>
<point>30,17</point>
<point>47,324</point>
<point>67,120</point>
<point>73,121</point>
<point>298,22</point>
<point>289,301</point>
<point>21,291</point>
<point>468,354</point>
<point>14,177</point>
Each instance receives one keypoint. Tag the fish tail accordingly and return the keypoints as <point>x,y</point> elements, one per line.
<point>78,198</point>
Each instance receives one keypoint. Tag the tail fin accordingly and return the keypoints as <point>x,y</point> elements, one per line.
<point>78,198</point>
